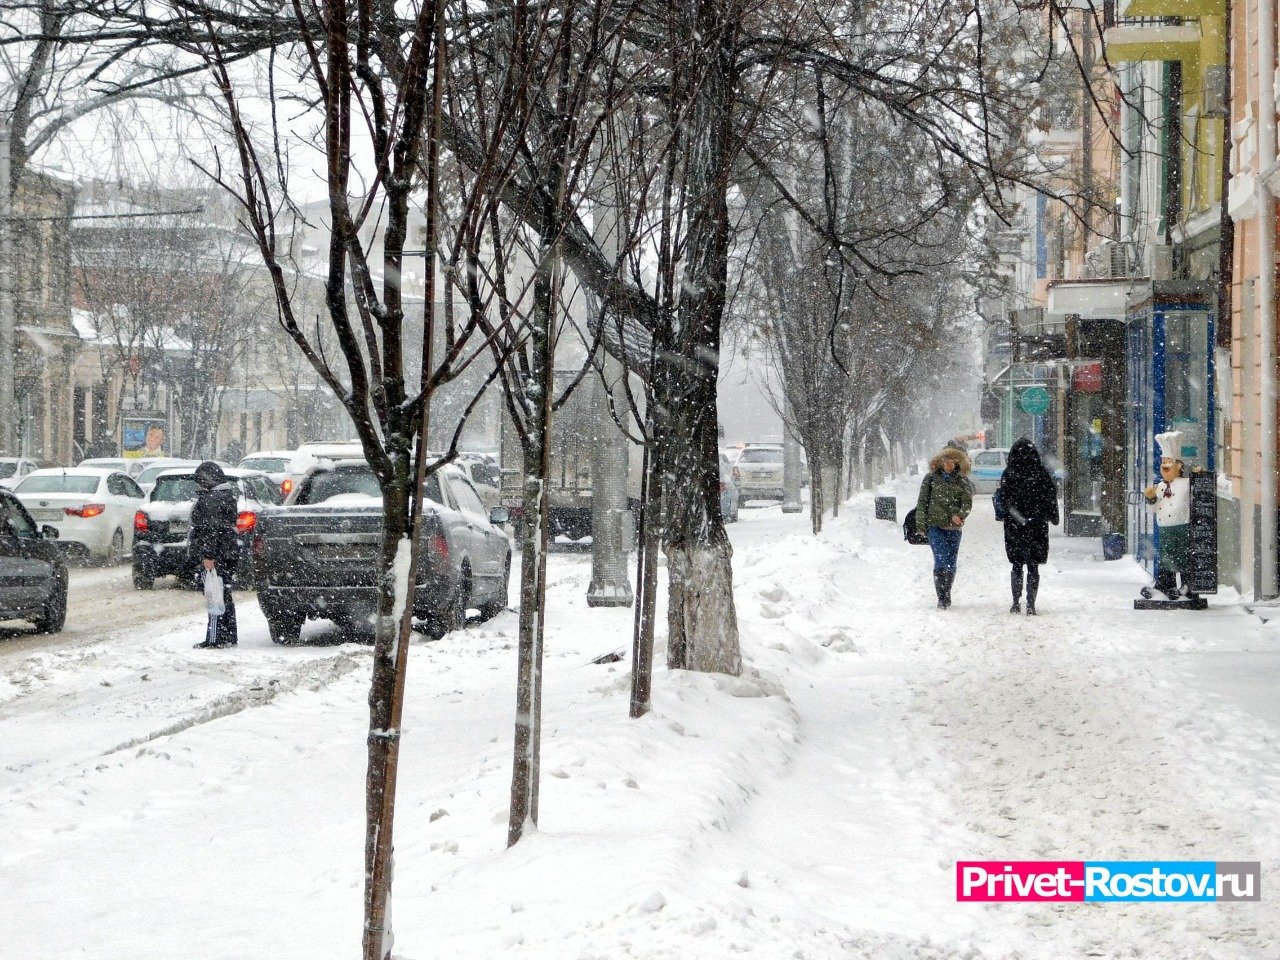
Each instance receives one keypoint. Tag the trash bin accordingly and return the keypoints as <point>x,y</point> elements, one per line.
<point>1113,546</point>
<point>887,508</point>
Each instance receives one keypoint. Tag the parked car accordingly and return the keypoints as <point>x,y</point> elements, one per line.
<point>162,525</point>
<point>91,507</point>
<point>158,465</point>
<point>316,556</point>
<point>13,469</point>
<point>130,465</point>
<point>274,463</point>
<point>485,476</point>
<point>309,454</point>
<point>728,491</point>
<point>988,467</point>
<point>33,572</point>
<point>758,472</point>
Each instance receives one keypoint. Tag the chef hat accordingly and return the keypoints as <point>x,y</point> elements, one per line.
<point>1170,445</point>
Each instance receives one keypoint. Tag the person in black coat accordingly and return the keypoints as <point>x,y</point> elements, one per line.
<point>1028,500</point>
<point>213,542</point>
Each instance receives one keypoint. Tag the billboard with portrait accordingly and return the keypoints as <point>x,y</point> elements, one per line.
<point>143,436</point>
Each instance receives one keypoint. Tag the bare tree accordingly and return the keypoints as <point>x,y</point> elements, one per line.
<point>376,81</point>
<point>176,300</point>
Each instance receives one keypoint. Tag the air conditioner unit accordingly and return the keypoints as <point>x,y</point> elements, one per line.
<point>1113,260</point>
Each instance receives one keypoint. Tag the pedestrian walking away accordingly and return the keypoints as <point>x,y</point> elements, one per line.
<point>213,543</point>
<point>1027,502</point>
<point>946,497</point>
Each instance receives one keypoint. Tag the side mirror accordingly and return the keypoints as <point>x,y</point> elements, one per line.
<point>499,515</point>
<point>48,532</point>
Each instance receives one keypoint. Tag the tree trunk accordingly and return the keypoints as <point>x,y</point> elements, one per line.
<point>646,583</point>
<point>701,620</point>
<point>384,736</point>
<point>525,771</point>
<point>817,496</point>
<point>837,478</point>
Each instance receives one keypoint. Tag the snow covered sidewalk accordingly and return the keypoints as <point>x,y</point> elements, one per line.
<point>813,808</point>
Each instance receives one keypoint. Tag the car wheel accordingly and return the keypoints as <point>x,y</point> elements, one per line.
<point>499,603</point>
<point>54,614</point>
<point>454,616</point>
<point>142,578</point>
<point>285,626</point>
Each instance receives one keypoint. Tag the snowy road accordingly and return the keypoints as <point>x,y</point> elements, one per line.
<point>812,809</point>
<point>100,600</point>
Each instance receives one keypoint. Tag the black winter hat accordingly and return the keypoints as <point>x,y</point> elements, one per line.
<point>209,475</point>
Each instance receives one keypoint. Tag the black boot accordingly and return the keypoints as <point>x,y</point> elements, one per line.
<point>940,587</point>
<point>948,578</point>
<point>1015,584</point>
<point>1033,587</point>
<point>1167,583</point>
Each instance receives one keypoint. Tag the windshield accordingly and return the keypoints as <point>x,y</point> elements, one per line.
<point>149,475</point>
<point>106,464</point>
<point>485,473</point>
<point>265,464</point>
<point>335,483</point>
<point>175,490</point>
<point>7,470</point>
<point>761,456</point>
<point>60,483</point>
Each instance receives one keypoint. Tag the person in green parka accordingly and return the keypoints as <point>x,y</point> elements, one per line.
<point>946,497</point>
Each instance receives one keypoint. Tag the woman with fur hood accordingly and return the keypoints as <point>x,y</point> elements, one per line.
<point>946,497</point>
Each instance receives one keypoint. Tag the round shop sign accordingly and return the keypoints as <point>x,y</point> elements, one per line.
<point>1034,400</point>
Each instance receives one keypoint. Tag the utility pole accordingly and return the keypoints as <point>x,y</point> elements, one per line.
<point>8,345</point>
<point>791,479</point>
<point>611,520</point>
<point>610,516</point>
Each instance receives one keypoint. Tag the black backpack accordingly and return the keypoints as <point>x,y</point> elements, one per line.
<point>909,531</point>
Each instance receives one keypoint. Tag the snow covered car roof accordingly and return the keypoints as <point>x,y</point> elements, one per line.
<point>75,471</point>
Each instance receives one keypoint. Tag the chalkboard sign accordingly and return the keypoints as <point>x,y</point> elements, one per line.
<point>1203,552</point>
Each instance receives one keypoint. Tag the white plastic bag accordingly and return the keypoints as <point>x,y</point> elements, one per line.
<point>213,594</point>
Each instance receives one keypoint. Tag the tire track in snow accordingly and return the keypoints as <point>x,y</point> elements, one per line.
<point>314,674</point>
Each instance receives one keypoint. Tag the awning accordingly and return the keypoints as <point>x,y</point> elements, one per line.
<point>1092,299</point>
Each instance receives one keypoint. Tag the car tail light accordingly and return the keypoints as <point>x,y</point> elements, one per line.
<point>438,546</point>
<point>140,522</point>
<point>259,545</point>
<point>87,511</point>
<point>246,521</point>
<point>286,486</point>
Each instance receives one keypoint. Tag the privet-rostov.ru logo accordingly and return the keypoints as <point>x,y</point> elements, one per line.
<point>1066,881</point>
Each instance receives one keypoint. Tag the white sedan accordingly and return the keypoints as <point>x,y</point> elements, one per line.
<point>92,508</point>
<point>13,469</point>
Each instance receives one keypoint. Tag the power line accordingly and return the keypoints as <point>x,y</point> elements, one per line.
<point>103,216</point>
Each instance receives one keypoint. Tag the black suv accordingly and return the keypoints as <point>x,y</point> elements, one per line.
<point>33,573</point>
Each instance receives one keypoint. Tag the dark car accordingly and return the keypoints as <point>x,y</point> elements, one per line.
<point>33,573</point>
<point>163,522</point>
<point>317,556</point>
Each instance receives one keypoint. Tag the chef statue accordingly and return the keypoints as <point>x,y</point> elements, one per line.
<point>1170,499</point>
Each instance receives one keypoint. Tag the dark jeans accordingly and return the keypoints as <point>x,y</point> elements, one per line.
<point>222,629</point>
<point>945,545</point>
<point>1033,581</point>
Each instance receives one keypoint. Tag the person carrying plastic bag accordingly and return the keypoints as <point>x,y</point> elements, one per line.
<point>213,542</point>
